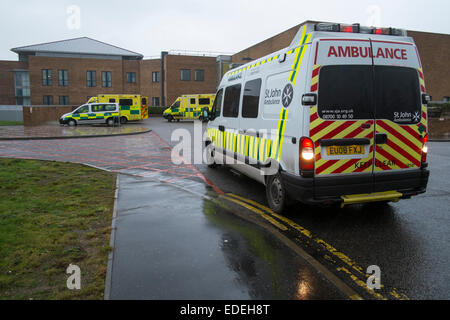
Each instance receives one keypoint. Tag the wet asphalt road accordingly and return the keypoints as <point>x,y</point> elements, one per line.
<point>408,240</point>
<point>174,244</point>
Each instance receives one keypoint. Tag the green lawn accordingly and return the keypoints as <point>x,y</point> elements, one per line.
<point>53,214</point>
<point>11,123</point>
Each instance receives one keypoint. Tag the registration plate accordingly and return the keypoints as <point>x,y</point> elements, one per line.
<point>345,150</point>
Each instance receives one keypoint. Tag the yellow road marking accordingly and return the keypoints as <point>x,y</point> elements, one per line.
<point>262,214</point>
<point>352,264</point>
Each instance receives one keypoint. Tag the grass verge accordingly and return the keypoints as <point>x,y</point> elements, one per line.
<point>11,123</point>
<point>53,214</point>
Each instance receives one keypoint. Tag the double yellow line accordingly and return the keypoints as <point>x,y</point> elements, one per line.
<point>349,270</point>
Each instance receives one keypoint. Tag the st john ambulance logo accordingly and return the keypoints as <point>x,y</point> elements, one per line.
<point>288,94</point>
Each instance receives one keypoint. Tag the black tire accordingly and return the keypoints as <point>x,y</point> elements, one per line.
<point>123,120</point>
<point>210,157</point>
<point>178,120</point>
<point>110,122</point>
<point>72,123</point>
<point>276,193</point>
<point>170,118</point>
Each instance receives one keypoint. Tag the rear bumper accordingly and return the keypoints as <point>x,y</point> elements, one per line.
<point>328,190</point>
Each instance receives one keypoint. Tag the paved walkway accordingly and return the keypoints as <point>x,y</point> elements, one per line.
<point>56,131</point>
<point>144,155</point>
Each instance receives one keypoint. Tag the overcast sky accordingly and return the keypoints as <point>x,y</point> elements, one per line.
<point>151,26</point>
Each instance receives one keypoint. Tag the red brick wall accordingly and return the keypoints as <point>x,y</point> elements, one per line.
<point>37,115</point>
<point>175,87</point>
<point>434,50</point>
<point>148,87</point>
<point>7,94</point>
<point>77,67</point>
<point>275,43</point>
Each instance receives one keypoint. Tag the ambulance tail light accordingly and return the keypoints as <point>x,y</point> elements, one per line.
<point>306,156</point>
<point>424,149</point>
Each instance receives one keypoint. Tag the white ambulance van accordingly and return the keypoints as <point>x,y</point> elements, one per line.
<point>338,117</point>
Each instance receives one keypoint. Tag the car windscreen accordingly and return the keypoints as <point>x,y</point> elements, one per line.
<point>397,95</point>
<point>345,92</point>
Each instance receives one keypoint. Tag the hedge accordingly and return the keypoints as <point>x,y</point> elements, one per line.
<point>156,110</point>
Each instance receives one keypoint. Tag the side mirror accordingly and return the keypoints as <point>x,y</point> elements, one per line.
<point>209,114</point>
<point>309,99</point>
<point>425,98</point>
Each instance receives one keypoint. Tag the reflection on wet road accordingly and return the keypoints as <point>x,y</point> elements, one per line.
<point>179,245</point>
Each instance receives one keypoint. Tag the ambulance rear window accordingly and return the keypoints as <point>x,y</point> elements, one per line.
<point>397,94</point>
<point>345,92</point>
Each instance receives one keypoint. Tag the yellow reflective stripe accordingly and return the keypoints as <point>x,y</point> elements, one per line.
<point>246,146</point>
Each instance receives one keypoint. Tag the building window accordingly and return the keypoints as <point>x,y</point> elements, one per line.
<point>22,87</point>
<point>91,78</point>
<point>446,99</point>
<point>64,100</point>
<point>47,77</point>
<point>47,100</point>
<point>199,75</point>
<point>155,101</point>
<point>131,77</point>
<point>185,74</point>
<point>63,78</point>
<point>155,76</point>
<point>106,79</point>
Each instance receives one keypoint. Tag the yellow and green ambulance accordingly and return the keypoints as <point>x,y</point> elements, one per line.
<point>189,107</point>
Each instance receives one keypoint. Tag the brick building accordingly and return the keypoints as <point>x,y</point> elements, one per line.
<point>434,50</point>
<point>68,72</point>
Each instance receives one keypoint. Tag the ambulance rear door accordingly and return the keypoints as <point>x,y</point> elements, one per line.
<point>342,124</point>
<point>400,115</point>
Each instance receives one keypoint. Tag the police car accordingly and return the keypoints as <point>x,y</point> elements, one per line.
<point>92,113</point>
<point>338,117</point>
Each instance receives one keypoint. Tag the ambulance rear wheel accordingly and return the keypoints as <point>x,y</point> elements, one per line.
<point>72,123</point>
<point>110,122</point>
<point>276,193</point>
<point>123,120</point>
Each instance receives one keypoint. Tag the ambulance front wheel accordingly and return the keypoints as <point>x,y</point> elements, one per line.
<point>170,118</point>
<point>276,193</point>
<point>211,162</point>
<point>72,123</point>
<point>123,120</point>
